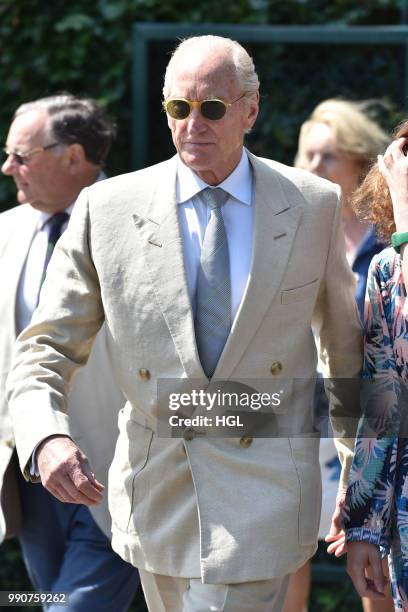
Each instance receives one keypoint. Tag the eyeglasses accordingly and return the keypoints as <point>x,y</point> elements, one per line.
<point>22,158</point>
<point>213,108</point>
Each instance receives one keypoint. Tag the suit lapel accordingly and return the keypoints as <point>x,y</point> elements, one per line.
<point>277,215</point>
<point>162,245</point>
<point>19,247</point>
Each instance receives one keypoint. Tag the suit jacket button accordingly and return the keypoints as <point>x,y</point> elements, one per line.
<point>276,368</point>
<point>245,441</point>
<point>144,374</point>
<point>188,434</point>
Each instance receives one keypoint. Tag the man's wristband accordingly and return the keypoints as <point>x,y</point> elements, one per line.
<point>398,239</point>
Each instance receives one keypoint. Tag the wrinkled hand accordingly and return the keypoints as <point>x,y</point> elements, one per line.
<point>393,165</point>
<point>66,473</point>
<point>336,536</point>
<point>360,556</point>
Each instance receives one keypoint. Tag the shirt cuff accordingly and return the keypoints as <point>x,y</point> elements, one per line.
<point>364,534</point>
<point>34,471</point>
<point>372,536</point>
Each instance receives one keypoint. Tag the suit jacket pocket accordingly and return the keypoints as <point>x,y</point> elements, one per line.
<point>131,456</point>
<point>305,453</point>
<point>297,294</point>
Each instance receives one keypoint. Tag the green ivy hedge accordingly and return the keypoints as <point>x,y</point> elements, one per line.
<point>85,47</point>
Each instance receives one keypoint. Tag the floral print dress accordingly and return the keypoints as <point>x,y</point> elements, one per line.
<point>376,508</point>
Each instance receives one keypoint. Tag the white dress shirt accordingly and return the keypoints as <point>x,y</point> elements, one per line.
<point>238,215</point>
<point>31,275</point>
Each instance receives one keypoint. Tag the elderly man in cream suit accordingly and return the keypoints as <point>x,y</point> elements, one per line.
<point>214,523</point>
<point>56,147</point>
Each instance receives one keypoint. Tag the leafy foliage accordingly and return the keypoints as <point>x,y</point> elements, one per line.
<point>85,47</point>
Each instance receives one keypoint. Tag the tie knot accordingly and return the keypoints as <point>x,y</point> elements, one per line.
<point>57,220</point>
<point>214,197</point>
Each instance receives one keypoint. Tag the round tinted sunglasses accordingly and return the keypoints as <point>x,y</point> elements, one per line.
<point>213,108</point>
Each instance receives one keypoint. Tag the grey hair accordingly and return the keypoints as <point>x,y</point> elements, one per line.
<point>76,120</point>
<point>243,62</point>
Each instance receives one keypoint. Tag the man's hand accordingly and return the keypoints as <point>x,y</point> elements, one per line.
<point>336,535</point>
<point>66,473</point>
<point>360,556</point>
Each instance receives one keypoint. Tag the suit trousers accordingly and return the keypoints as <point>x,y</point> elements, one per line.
<point>65,550</point>
<point>169,594</point>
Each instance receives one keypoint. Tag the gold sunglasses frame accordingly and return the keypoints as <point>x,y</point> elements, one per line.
<point>198,104</point>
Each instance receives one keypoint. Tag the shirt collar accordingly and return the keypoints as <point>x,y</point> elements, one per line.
<point>43,216</point>
<point>238,184</point>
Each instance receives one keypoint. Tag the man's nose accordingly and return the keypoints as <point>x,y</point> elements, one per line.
<point>9,165</point>
<point>195,121</point>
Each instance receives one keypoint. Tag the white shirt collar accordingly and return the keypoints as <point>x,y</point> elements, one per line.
<point>238,184</point>
<point>44,216</point>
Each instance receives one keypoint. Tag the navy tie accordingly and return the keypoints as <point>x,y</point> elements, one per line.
<point>54,226</point>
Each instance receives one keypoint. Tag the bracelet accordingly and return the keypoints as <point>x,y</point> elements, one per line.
<point>398,239</point>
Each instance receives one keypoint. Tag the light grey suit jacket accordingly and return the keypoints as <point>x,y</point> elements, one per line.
<point>209,507</point>
<point>95,398</point>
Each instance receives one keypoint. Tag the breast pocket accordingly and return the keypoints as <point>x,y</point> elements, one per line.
<point>298,294</point>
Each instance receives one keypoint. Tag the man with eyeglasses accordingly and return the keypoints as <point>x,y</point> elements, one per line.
<point>208,270</point>
<point>55,147</point>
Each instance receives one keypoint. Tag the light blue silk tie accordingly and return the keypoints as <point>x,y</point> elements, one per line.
<point>213,298</point>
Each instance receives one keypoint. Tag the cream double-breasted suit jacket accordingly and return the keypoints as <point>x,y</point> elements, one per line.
<point>95,399</point>
<point>201,506</point>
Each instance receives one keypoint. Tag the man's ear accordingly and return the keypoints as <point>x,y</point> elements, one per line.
<point>253,108</point>
<point>74,157</point>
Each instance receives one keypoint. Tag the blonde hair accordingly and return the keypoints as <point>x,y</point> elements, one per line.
<point>357,136</point>
<point>240,59</point>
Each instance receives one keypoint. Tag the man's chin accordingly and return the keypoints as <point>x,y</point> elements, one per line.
<point>196,161</point>
<point>24,198</point>
<point>21,197</point>
<point>38,206</point>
